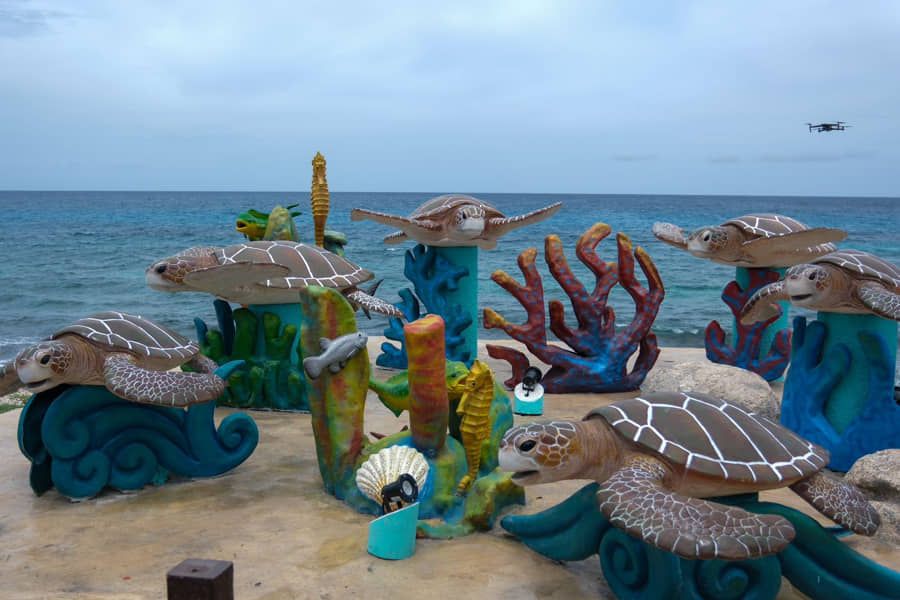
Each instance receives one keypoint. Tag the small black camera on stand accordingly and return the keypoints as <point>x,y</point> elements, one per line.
<point>399,493</point>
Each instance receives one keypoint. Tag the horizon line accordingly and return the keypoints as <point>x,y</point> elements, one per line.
<point>434,194</point>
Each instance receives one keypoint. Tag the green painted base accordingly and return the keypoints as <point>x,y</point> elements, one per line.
<point>393,536</point>
<point>265,337</point>
<point>848,398</point>
<point>466,292</point>
<point>289,314</point>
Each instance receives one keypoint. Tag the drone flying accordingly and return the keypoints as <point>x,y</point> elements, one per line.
<point>820,127</point>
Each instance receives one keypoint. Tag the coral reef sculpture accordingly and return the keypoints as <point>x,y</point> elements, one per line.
<point>269,377</point>
<point>433,277</point>
<point>746,349</point>
<point>816,562</point>
<point>337,403</point>
<point>598,357</point>
<point>81,439</point>
<point>816,371</point>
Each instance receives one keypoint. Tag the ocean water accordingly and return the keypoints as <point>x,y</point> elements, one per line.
<point>69,254</point>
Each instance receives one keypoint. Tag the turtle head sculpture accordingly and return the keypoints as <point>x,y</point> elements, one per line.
<point>712,241</point>
<point>658,457</point>
<point>45,365</point>
<point>810,285</point>
<point>167,275</point>
<point>550,451</point>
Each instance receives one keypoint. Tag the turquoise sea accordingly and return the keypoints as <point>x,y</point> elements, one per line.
<point>69,254</point>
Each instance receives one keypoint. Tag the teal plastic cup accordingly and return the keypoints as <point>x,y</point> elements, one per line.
<point>393,536</point>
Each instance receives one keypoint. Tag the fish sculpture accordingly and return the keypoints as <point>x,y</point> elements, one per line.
<point>319,198</point>
<point>474,409</point>
<point>335,354</point>
<point>275,225</point>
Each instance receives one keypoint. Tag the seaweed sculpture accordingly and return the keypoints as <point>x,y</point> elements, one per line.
<point>269,377</point>
<point>598,359</point>
<point>746,350</point>
<point>816,562</point>
<point>432,276</point>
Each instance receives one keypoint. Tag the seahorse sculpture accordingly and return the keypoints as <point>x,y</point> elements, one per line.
<point>319,198</point>
<point>474,409</point>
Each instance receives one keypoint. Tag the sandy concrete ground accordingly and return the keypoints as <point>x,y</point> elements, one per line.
<point>286,537</point>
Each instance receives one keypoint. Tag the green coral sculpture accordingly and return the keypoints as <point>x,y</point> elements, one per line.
<point>269,379</point>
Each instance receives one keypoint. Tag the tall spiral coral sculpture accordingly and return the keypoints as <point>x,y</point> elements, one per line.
<point>598,359</point>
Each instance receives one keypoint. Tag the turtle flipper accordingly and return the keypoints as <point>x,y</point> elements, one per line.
<point>367,303</point>
<point>226,278</point>
<point>396,237</point>
<point>763,305</point>
<point>671,234</point>
<point>499,226</point>
<point>810,242</point>
<point>842,503</point>
<point>203,364</point>
<point>879,300</point>
<point>9,379</point>
<point>360,214</point>
<point>127,380</point>
<point>636,500</point>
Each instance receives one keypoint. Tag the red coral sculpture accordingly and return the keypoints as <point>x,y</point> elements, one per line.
<point>598,359</point>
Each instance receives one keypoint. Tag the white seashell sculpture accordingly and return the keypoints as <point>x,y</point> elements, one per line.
<point>387,466</point>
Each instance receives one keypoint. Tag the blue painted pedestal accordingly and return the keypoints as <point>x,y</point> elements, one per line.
<point>839,390</point>
<point>466,292</point>
<point>81,439</point>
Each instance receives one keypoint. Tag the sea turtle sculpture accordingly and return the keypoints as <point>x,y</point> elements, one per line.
<point>264,273</point>
<point>656,456</point>
<point>846,281</point>
<point>763,240</point>
<point>454,220</point>
<point>129,355</point>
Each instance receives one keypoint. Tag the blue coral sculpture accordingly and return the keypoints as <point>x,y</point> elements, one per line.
<point>432,276</point>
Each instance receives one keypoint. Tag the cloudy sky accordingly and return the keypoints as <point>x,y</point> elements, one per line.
<point>509,96</point>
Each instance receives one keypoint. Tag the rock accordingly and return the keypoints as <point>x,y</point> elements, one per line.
<point>742,387</point>
<point>878,476</point>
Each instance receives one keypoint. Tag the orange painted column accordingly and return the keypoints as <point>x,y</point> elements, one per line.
<point>428,404</point>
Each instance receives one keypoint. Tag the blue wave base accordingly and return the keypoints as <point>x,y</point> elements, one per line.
<point>82,439</point>
<point>816,562</point>
<point>839,391</point>
<point>438,282</point>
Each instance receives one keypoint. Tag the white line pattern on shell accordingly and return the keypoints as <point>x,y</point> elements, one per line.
<point>111,338</point>
<point>774,466</point>
<point>852,260</point>
<point>299,280</point>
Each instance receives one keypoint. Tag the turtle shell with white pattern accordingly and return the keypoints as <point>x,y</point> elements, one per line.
<point>756,240</point>
<point>658,456</point>
<point>846,281</point>
<point>264,272</point>
<point>128,354</point>
<point>454,220</point>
